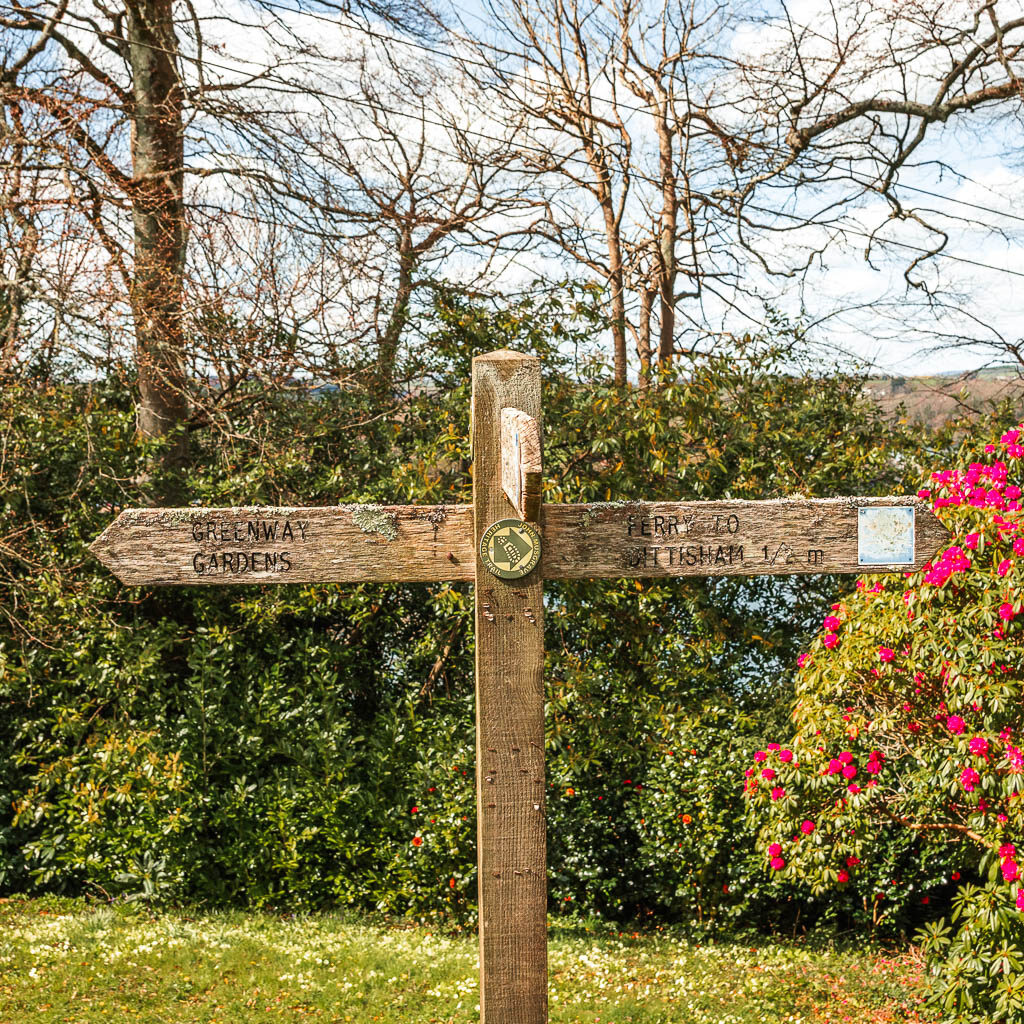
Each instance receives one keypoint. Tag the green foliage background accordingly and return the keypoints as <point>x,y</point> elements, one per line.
<point>282,746</point>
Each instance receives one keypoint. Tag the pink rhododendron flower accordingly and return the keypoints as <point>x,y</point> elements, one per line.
<point>759,755</point>
<point>768,773</point>
<point>778,863</point>
<point>774,850</point>
<point>968,652</point>
<point>951,561</point>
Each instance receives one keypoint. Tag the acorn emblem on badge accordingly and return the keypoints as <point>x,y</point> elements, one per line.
<point>510,548</point>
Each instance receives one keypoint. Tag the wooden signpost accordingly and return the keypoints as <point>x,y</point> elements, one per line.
<point>507,542</point>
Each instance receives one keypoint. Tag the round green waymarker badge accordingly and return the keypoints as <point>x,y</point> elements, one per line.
<point>510,548</point>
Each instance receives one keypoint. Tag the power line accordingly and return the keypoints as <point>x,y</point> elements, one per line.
<point>948,199</point>
<point>615,105</point>
<point>423,121</point>
<point>458,58</point>
<point>461,59</point>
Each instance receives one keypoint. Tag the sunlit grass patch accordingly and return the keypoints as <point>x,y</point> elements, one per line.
<point>66,962</point>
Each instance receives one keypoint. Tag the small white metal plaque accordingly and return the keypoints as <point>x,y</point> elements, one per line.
<point>885,535</point>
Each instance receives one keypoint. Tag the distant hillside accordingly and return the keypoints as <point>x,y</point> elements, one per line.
<point>933,399</point>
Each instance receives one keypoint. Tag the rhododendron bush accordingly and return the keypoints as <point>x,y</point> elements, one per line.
<point>909,716</point>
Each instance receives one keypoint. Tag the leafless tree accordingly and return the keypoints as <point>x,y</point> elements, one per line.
<point>399,187</point>
<point>685,148</point>
<point>128,103</point>
<point>301,193</point>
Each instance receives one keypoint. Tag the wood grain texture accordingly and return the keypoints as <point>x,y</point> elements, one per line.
<point>261,544</point>
<point>511,853</point>
<point>720,538</point>
<point>522,467</point>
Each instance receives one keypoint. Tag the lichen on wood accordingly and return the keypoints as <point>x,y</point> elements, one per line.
<point>596,509</point>
<point>376,519</point>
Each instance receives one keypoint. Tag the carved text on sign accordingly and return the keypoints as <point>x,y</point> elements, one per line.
<point>232,554</point>
<point>690,555</point>
<point>734,538</point>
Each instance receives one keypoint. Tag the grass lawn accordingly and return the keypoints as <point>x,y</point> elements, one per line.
<point>68,961</point>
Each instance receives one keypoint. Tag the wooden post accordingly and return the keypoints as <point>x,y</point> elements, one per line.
<point>511,833</point>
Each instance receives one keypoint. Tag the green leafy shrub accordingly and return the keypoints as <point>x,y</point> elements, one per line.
<point>267,745</point>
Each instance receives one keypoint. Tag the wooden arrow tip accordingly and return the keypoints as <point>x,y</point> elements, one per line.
<point>104,547</point>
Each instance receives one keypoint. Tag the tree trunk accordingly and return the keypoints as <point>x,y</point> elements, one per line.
<point>387,349</point>
<point>28,245</point>
<point>618,323</point>
<point>158,219</point>
<point>667,240</point>
<point>643,340</point>
<point>617,283</point>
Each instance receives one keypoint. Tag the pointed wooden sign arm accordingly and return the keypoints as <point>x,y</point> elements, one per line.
<point>263,544</point>
<point>897,533</point>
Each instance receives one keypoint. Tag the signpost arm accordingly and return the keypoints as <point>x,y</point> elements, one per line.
<point>511,833</point>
